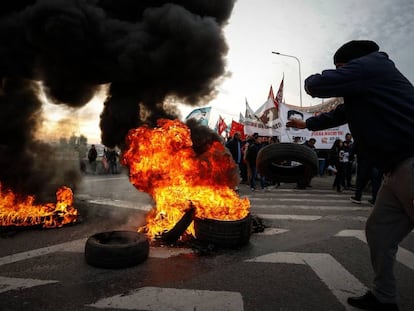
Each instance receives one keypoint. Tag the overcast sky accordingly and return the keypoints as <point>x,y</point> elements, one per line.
<point>310,30</point>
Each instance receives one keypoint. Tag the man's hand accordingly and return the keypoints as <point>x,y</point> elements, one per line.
<point>296,123</point>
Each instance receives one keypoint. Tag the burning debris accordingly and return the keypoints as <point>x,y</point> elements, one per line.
<point>163,163</point>
<point>16,211</point>
<point>180,227</point>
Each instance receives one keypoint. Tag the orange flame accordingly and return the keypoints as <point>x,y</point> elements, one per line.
<point>18,211</point>
<point>163,163</point>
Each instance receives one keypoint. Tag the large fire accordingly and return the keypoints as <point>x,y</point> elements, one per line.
<point>163,163</point>
<point>21,211</point>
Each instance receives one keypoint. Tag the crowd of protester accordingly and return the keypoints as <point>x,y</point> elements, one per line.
<point>244,153</point>
<point>102,161</point>
<point>350,170</point>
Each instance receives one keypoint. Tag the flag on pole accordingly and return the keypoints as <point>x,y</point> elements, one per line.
<point>279,95</point>
<point>268,112</point>
<point>221,126</point>
<point>236,127</point>
<point>249,114</point>
<point>271,94</point>
<point>201,114</point>
<point>241,118</point>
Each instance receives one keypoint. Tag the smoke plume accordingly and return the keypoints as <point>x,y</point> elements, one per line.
<point>147,51</point>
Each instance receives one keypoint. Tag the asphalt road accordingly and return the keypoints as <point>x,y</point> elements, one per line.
<point>312,255</point>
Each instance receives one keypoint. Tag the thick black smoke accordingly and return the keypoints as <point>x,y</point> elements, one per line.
<point>146,50</point>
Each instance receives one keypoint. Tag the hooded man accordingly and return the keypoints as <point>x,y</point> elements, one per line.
<point>379,109</point>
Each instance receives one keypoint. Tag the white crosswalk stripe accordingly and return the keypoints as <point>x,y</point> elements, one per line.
<point>290,217</point>
<point>403,256</point>
<point>172,299</point>
<point>316,208</point>
<point>272,231</point>
<point>332,273</point>
<point>7,283</point>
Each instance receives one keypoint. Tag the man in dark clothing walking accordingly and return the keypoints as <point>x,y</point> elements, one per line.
<point>251,157</point>
<point>365,172</point>
<point>348,146</point>
<point>234,145</point>
<point>92,155</point>
<point>378,106</point>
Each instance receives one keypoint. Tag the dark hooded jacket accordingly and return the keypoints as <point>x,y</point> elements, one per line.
<point>378,107</point>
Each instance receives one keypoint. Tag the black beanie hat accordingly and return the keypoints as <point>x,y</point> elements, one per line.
<point>354,49</point>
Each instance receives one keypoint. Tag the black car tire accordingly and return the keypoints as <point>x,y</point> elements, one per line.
<point>273,162</point>
<point>116,249</point>
<point>223,233</point>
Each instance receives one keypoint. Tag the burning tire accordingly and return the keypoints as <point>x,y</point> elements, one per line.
<point>223,233</point>
<point>116,249</point>
<point>287,162</point>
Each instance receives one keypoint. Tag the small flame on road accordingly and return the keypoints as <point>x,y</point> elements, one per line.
<point>17,210</point>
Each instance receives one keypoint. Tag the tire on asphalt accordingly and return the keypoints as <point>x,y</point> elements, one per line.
<point>116,249</point>
<point>273,162</point>
<point>223,233</point>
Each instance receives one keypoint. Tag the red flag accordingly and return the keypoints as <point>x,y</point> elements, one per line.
<point>237,127</point>
<point>221,125</point>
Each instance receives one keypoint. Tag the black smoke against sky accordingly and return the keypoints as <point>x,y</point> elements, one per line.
<point>147,51</point>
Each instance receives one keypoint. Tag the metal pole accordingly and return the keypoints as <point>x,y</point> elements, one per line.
<point>300,74</point>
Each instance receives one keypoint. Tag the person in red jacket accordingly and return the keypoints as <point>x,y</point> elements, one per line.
<point>378,107</point>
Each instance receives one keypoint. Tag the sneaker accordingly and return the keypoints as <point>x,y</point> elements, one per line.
<point>370,302</point>
<point>355,200</point>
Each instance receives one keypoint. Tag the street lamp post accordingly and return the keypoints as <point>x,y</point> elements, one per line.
<point>300,75</point>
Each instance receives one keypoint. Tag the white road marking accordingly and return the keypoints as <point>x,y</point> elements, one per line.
<point>359,234</point>
<point>72,246</point>
<point>106,179</point>
<point>308,207</point>
<point>301,192</point>
<point>289,217</point>
<point>304,199</point>
<point>404,256</point>
<point>275,195</point>
<point>78,246</point>
<point>122,204</point>
<point>272,231</point>
<point>342,283</point>
<point>167,252</point>
<point>172,299</point>
<point>7,284</point>
<point>346,217</point>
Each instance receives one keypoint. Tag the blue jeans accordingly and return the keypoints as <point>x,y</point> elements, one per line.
<point>253,179</point>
